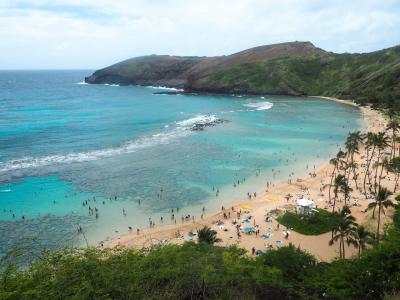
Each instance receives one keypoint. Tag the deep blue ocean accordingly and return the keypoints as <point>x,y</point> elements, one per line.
<point>63,142</point>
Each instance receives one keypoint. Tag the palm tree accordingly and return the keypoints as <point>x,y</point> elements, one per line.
<point>382,202</point>
<point>384,165</point>
<point>398,141</point>
<point>354,139</point>
<point>335,162</point>
<point>393,125</point>
<point>353,166</point>
<point>394,166</point>
<point>207,235</point>
<point>345,189</point>
<point>339,185</point>
<point>340,180</point>
<point>370,142</point>
<point>381,142</point>
<point>361,238</point>
<point>343,230</point>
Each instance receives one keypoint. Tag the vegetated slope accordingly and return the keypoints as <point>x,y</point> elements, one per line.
<point>371,77</point>
<point>160,70</point>
<point>297,68</point>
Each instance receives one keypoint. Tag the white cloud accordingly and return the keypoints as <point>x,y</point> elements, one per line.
<point>93,34</point>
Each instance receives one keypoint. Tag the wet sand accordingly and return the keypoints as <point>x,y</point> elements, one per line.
<point>268,200</point>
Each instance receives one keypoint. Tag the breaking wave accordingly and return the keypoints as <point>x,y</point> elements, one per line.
<point>260,105</point>
<point>200,120</point>
<point>164,88</point>
<point>179,129</point>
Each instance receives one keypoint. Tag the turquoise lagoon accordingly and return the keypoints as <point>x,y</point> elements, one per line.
<point>63,142</point>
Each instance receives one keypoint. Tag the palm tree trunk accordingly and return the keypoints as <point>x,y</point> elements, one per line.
<point>369,159</point>
<point>395,184</point>
<point>333,174</point>
<point>379,222</point>
<point>393,150</point>
<point>334,202</point>
<point>391,146</point>
<point>355,178</point>
<point>349,171</point>
<point>359,249</point>
<point>380,176</point>
<point>342,244</point>
<point>376,170</point>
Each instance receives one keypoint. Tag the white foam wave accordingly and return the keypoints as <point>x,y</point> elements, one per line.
<point>5,191</point>
<point>181,129</point>
<point>260,105</point>
<point>132,146</point>
<point>200,120</point>
<point>81,82</point>
<point>111,84</point>
<point>164,88</point>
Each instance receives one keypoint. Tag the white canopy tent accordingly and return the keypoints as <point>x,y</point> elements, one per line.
<point>305,205</point>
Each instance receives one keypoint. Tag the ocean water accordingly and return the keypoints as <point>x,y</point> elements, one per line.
<point>124,148</point>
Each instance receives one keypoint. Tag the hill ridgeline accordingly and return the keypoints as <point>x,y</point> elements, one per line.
<point>295,68</point>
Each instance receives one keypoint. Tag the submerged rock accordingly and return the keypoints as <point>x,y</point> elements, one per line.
<point>201,126</point>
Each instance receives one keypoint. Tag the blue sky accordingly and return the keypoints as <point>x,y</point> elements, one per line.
<point>77,34</point>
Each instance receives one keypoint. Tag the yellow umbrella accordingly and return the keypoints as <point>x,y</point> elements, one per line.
<point>246,207</point>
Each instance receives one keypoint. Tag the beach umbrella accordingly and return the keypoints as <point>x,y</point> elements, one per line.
<point>248,229</point>
<point>246,207</point>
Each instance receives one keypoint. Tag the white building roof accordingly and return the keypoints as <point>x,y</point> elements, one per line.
<point>305,202</point>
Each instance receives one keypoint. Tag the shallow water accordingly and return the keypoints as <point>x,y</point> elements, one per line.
<point>63,142</point>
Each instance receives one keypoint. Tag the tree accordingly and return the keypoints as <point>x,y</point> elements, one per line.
<point>384,165</point>
<point>382,202</point>
<point>345,189</point>
<point>381,142</point>
<point>207,235</point>
<point>394,126</point>
<point>339,182</point>
<point>335,162</point>
<point>343,230</point>
<point>398,141</point>
<point>361,238</point>
<point>370,142</point>
<point>354,139</point>
<point>394,167</point>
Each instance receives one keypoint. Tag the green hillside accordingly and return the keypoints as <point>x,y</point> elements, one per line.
<point>371,77</point>
<point>294,68</point>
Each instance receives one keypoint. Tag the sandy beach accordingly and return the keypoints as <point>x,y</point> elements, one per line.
<point>268,201</point>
